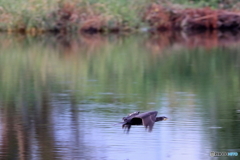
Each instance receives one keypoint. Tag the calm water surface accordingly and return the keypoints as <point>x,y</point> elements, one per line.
<point>61,96</point>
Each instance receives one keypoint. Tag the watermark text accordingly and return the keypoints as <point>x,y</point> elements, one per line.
<point>225,154</point>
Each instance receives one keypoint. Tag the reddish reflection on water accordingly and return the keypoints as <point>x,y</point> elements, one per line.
<point>159,42</point>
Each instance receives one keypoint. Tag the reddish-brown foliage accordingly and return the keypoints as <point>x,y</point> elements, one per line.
<point>83,18</point>
<point>160,18</point>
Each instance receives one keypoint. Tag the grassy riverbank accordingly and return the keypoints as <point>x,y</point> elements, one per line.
<point>57,15</point>
<point>37,16</point>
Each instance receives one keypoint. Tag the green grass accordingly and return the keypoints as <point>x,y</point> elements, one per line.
<point>25,14</point>
<point>223,4</point>
<point>37,13</point>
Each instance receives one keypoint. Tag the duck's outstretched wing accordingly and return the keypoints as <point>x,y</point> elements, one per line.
<point>148,119</point>
<point>130,116</point>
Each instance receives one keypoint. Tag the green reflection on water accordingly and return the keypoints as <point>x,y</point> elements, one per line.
<point>125,66</point>
<point>123,71</point>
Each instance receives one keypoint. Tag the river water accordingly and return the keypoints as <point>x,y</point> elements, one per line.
<point>62,96</point>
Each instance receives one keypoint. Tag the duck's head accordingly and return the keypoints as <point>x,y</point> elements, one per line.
<point>161,118</point>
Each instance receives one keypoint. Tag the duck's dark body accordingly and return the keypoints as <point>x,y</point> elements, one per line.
<point>147,119</point>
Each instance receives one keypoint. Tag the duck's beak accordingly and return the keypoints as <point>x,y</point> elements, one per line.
<point>165,118</point>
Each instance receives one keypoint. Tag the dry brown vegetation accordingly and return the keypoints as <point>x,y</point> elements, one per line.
<point>165,18</point>
<point>85,19</point>
<point>68,16</point>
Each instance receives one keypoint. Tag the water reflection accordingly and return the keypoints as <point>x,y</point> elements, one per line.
<point>60,96</point>
<point>159,42</point>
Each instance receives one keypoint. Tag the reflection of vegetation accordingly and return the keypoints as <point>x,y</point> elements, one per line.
<point>34,71</point>
<point>34,68</point>
<point>118,68</point>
